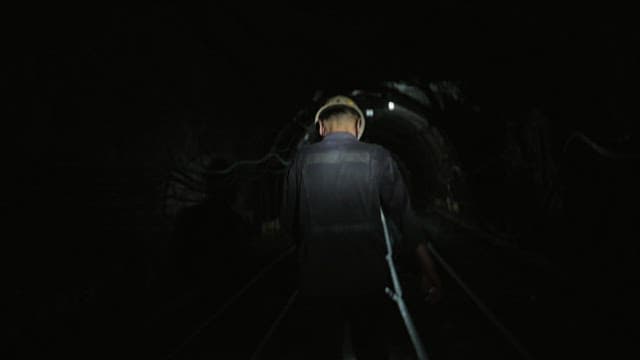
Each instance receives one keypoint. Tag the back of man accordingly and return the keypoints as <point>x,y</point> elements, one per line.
<point>342,246</point>
<point>333,193</point>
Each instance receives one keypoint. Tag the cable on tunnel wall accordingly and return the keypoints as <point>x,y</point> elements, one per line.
<point>251,162</point>
<point>597,148</point>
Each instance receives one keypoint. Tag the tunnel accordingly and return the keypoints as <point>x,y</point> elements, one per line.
<point>485,270</point>
<point>400,116</point>
<point>147,148</point>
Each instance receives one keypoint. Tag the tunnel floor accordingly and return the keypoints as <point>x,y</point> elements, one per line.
<point>453,329</point>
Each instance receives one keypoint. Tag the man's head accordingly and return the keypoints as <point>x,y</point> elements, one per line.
<point>340,113</point>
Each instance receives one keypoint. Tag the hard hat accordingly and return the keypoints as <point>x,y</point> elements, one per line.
<point>341,100</point>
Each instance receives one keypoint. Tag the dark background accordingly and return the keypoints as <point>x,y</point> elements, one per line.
<point>102,97</point>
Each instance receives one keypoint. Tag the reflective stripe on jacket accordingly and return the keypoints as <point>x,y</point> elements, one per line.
<point>332,194</point>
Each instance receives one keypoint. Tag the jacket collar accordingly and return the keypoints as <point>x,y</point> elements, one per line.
<point>339,135</point>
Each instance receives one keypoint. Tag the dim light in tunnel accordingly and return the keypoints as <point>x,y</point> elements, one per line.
<point>391,105</point>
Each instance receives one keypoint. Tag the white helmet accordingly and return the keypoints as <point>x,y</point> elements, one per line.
<point>341,100</point>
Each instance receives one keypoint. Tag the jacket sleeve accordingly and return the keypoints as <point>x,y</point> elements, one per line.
<point>396,204</point>
<point>289,205</point>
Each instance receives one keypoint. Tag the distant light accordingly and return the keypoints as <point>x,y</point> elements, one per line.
<point>391,105</point>
<point>368,113</point>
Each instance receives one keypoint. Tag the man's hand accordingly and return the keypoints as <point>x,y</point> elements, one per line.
<point>432,293</point>
<point>430,282</point>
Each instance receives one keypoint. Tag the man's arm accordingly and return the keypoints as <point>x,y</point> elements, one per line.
<point>394,198</point>
<point>431,283</point>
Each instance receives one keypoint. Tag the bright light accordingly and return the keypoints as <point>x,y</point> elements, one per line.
<point>391,105</point>
<point>369,113</point>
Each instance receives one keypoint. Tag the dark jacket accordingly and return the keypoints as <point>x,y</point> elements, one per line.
<point>333,191</point>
